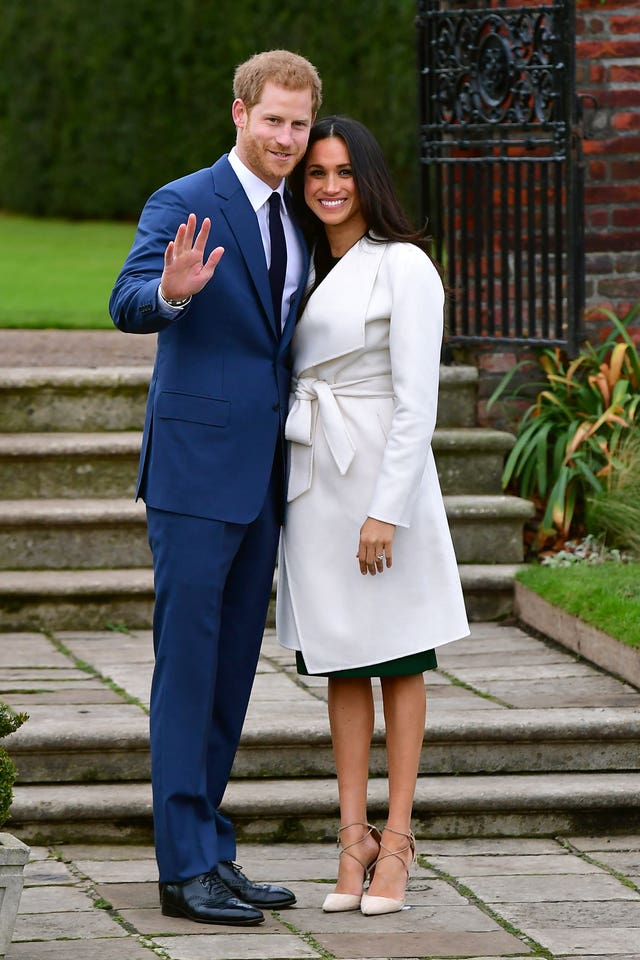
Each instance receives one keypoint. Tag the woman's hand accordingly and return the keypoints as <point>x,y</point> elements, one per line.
<point>376,545</point>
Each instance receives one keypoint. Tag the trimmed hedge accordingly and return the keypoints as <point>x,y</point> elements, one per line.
<point>100,103</point>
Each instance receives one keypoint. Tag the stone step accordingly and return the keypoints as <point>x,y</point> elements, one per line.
<point>471,459</point>
<point>113,398</point>
<point>35,399</point>
<point>72,534</point>
<point>63,534</point>
<point>495,741</point>
<point>487,529</point>
<point>531,805</point>
<point>71,465</point>
<point>93,599</point>
<point>75,599</point>
<point>68,465</point>
<point>457,396</point>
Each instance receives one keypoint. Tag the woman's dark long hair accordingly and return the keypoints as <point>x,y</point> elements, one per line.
<point>381,209</point>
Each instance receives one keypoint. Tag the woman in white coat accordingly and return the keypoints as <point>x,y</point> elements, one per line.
<point>368,581</point>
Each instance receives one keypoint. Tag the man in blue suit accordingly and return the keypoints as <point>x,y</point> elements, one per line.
<point>223,300</point>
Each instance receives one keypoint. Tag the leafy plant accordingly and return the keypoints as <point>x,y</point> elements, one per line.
<point>567,440</point>
<point>590,550</point>
<point>9,722</point>
<point>614,513</point>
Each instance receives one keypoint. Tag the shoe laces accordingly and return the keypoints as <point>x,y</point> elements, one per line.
<point>214,884</point>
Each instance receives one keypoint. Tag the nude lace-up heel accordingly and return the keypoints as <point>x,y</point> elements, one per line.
<point>374,906</point>
<point>341,902</point>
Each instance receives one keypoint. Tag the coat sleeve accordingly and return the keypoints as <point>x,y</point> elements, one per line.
<point>415,340</point>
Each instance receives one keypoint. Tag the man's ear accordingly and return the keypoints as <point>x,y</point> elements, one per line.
<point>239,113</point>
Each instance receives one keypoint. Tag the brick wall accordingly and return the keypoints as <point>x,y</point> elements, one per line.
<point>608,69</point>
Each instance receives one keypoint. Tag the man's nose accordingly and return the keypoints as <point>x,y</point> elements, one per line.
<point>284,135</point>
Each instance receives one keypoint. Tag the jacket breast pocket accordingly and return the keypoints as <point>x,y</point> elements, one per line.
<point>187,406</point>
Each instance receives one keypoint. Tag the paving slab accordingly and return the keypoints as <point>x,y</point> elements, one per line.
<point>527,889</point>
<point>605,941</point>
<point>434,944</point>
<point>73,925</point>
<point>495,866</point>
<point>237,946</point>
<point>114,949</point>
<point>610,913</point>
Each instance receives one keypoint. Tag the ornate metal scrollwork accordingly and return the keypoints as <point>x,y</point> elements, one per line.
<point>497,67</point>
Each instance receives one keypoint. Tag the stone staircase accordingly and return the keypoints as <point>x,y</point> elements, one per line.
<point>501,757</point>
<point>73,548</point>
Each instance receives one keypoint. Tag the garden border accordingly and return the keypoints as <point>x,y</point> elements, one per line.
<point>580,637</point>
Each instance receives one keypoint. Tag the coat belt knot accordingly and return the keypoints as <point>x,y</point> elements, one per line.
<point>301,424</point>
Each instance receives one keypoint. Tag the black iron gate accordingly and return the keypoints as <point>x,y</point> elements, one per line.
<point>502,169</point>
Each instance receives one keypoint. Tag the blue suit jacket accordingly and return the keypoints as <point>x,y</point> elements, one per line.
<point>219,393</point>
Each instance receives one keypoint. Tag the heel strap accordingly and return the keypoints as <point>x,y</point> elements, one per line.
<point>410,845</point>
<point>370,831</point>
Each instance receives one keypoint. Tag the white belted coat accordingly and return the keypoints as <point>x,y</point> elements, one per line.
<point>366,355</point>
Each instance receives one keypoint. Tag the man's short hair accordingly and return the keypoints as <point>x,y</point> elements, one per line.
<point>278,66</point>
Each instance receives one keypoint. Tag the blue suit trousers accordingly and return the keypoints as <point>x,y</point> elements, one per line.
<point>213,582</point>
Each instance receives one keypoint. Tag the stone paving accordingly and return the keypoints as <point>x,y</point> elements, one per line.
<point>480,899</point>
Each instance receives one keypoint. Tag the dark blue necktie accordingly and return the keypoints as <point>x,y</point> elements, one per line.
<point>278,267</point>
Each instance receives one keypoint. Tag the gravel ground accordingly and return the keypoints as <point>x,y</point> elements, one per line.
<point>75,348</point>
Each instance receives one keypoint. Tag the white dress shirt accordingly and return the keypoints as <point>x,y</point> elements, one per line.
<point>258,193</point>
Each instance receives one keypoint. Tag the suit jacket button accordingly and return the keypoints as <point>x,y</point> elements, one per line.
<point>276,406</point>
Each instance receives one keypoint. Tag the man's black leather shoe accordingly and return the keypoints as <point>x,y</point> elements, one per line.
<point>207,899</point>
<point>259,894</point>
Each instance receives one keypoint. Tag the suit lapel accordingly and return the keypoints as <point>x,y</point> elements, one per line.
<point>242,222</point>
<point>290,322</point>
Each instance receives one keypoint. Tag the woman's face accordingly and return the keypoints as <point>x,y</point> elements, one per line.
<point>330,190</point>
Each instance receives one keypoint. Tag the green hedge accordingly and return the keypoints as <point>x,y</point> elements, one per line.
<point>102,102</point>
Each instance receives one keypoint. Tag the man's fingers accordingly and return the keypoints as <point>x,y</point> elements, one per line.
<point>214,258</point>
<point>190,230</point>
<point>203,235</point>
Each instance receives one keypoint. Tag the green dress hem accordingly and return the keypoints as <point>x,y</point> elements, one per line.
<point>400,667</point>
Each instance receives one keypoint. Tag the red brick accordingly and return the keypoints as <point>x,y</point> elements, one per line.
<point>598,218</point>
<point>597,73</point>
<point>608,49</point>
<point>626,217</point>
<point>626,121</point>
<point>627,73</point>
<point>613,193</point>
<point>597,4</point>
<point>496,362</point>
<point>612,145</point>
<point>611,242</point>
<point>625,24</point>
<point>597,25</point>
<point>619,97</point>
<point>627,263</point>
<point>625,170</point>
<point>600,263</point>
<point>598,169</point>
<point>619,287</point>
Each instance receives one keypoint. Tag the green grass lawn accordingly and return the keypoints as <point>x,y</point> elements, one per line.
<point>58,273</point>
<point>606,595</point>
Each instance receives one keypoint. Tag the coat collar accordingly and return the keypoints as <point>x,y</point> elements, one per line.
<point>333,322</point>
